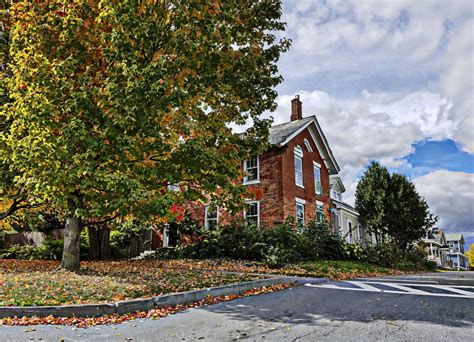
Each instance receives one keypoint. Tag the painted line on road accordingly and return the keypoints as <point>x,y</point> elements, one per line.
<point>398,289</point>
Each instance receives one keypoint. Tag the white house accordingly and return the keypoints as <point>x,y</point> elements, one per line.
<point>344,217</point>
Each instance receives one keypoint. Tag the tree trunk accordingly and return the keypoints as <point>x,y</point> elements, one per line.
<point>72,244</point>
<point>99,239</point>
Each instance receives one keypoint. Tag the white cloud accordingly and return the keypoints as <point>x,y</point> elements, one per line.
<point>397,46</point>
<point>450,196</point>
<point>376,126</point>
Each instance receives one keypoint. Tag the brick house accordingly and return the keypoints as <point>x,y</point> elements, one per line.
<point>292,178</point>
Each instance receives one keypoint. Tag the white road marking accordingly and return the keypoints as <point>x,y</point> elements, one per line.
<point>400,288</point>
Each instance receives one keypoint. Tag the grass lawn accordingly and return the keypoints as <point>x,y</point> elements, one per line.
<point>38,282</point>
<point>333,269</point>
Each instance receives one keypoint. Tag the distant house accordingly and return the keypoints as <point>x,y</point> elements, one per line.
<point>456,251</point>
<point>435,245</point>
<point>344,217</point>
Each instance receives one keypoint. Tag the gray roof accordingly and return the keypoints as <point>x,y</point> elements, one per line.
<point>453,237</point>
<point>279,133</point>
<point>344,205</point>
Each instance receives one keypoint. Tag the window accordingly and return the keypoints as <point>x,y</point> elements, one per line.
<point>300,214</point>
<point>251,169</point>
<point>349,228</point>
<point>317,178</point>
<point>336,195</point>
<point>359,232</point>
<point>212,217</point>
<point>299,166</point>
<point>252,213</point>
<point>308,145</point>
<point>319,211</point>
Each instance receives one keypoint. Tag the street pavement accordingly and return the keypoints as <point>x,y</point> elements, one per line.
<point>427,307</point>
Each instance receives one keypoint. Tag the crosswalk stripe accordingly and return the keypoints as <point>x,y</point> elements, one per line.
<point>398,288</point>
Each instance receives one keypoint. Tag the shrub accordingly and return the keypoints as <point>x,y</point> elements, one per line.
<point>352,251</point>
<point>389,255</point>
<point>322,242</point>
<point>49,250</point>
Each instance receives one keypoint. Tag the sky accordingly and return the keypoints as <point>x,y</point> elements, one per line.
<point>390,81</point>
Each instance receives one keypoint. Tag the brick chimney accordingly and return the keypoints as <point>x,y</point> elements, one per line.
<point>296,109</point>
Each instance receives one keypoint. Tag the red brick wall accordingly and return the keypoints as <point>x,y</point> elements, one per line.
<point>308,193</point>
<point>277,185</point>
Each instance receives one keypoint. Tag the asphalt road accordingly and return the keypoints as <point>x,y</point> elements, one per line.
<point>428,307</point>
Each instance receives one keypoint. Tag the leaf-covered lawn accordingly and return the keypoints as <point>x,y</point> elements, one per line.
<point>333,269</point>
<point>38,282</point>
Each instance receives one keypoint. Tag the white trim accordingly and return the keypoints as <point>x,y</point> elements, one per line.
<point>296,157</point>
<point>253,181</point>
<point>350,234</point>
<point>258,210</point>
<point>298,151</point>
<point>316,166</point>
<point>323,138</point>
<point>300,200</point>
<point>308,145</point>
<point>206,223</point>
<point>320,203</point>
<point>302,203</point>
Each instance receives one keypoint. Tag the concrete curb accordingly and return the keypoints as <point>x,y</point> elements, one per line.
<point>144,304</point>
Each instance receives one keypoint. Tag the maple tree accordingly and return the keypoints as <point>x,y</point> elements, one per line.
<point>113,101</point>
<point>470,256</point>
<point>12,199</point>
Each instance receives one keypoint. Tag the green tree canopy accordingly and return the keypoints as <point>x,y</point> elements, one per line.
<point>113,101</point>
<point>390,205</point>
<point>372,191</point>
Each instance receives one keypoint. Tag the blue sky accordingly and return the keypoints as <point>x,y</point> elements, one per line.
<point>390,81</point>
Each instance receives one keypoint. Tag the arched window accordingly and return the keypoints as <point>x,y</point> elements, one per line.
<point>308,145</point>
<point>299,166</point>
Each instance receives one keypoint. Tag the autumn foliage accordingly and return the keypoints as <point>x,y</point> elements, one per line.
<point>110,103</point>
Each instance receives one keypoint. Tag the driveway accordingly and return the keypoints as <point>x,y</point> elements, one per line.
<point>438,306</point>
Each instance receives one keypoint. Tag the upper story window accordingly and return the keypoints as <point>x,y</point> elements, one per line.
<point>317,178</point>
<point>252,170</point>
<point>336,195</point>
<point>308,145</point>
<point>300,213</point>
<point>299,166</point>
<point>212,217</point>
<point>252,213</point>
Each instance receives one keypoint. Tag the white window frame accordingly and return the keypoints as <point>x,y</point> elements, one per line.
<point>252,181</point>
<point>299,202</point>
<point>319,205</point>
<point>359,232</point>
<point>206,219</point>
<point>298,155</point>
<point>350,236</point>
<point>308,145</point>
<point>318,167</point>
<point>258,211</point>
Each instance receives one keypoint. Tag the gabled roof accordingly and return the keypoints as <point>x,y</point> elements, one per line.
<point>335,179</point>
<point>344,206</point>
<point>282,134</point>
<point>454,237</point>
